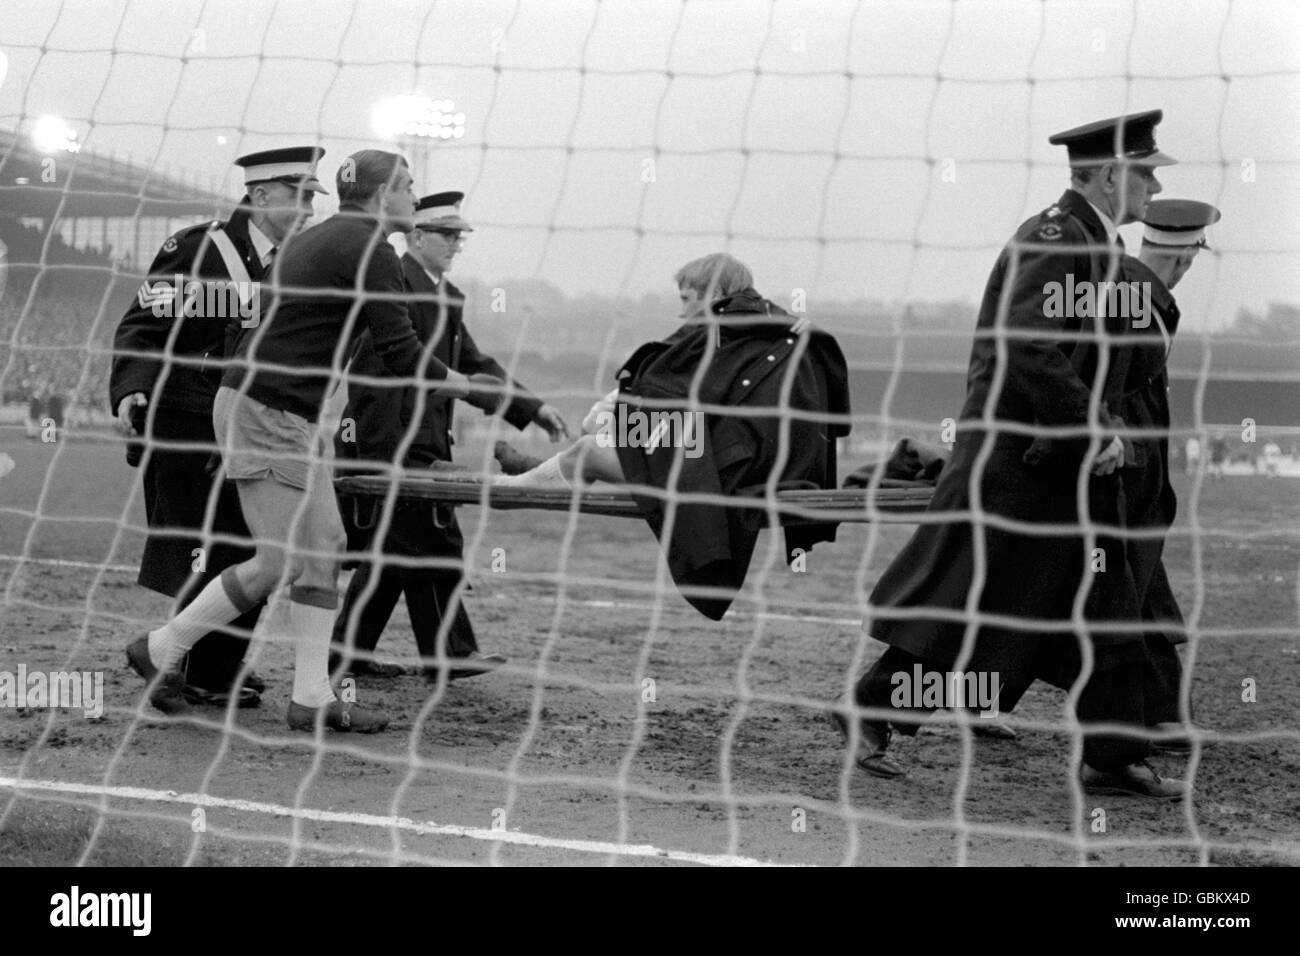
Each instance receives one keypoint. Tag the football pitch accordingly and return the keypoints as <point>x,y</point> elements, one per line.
<point>627,728</point>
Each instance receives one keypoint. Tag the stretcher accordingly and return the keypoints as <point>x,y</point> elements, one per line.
<point>893,500</point>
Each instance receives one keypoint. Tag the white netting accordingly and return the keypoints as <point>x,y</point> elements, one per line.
<point>868,161</point>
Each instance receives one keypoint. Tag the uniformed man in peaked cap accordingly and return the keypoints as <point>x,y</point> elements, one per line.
<point>1173,235</point>
<point>166,369</point>
<point>1033,368</point>
<point>384,417</point>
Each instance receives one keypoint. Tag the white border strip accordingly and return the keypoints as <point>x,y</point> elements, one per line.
<point>373,820</point>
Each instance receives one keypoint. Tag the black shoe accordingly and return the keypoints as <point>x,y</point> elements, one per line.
<point>338,715</point>
<point>204,697</point>
<point>365,668</point>
<point>223,682</point>
<point>471,665</point>
<point>204,688</point>
<point>1140,779</point>
<point>380,669</point>
<point>1179,745</point>
<point>992,728</point>
<point>513,461</point>
<point>166,691</point>
<point>873,742</point>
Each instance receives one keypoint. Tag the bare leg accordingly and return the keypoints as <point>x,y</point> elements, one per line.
<point>269,508</point>
<point>588,460</point>
<point>585,460</point>
<point>312,570</point>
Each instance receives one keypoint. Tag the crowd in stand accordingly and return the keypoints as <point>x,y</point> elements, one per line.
<point>55,361</point>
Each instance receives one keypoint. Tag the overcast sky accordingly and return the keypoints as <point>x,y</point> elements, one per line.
<point>824,137</point>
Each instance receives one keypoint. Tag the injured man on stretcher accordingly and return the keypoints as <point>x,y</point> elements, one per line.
<point>741,402</point>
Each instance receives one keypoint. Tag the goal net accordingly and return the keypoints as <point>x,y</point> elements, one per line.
<point>867,162</point>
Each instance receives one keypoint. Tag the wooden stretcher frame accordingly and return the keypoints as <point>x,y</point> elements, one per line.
<point>892,501</point>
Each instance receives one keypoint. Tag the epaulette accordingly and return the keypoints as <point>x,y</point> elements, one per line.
<point>1050,221</point>
<point>173,241</point>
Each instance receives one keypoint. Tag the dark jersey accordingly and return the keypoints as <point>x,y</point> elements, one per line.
<point>339,278</point>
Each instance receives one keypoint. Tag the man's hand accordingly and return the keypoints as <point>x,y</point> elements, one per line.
<point>591,424</point>
<point>125,410</point>
<point>548,418</point>
<point>486,392</point>
<point>455,385</point>
<point>1110,458</point>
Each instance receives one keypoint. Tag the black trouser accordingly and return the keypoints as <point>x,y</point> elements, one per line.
<point>431,592</point>
<point>1162,679</point>
<point>1159,610</point>
<point>177,485</point>
<point>1114,695</point>
<point>1161,674</point>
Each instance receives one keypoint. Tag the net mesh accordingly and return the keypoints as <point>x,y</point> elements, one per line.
<point>625,725</point>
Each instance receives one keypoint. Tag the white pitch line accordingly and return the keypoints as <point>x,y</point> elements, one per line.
<point>373,820</point>
<point>765,615</point>
<point>59,563</point>
<point>806,618</point>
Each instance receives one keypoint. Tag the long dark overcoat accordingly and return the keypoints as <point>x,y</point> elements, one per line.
<point>1024,371</point>
<point>176,363</point>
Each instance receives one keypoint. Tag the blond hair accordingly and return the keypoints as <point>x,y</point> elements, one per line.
<point>717,275</point>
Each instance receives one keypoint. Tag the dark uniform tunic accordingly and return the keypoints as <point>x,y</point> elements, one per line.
<point>1032,573</point>
<point>383,417</point>
<point>176,362</point>
<point>1149,497</point>
<point>755,360</point>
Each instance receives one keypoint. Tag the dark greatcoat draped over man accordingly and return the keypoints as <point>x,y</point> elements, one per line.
<point>754,360</point>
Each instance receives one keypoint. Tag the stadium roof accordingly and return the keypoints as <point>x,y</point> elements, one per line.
<point>94,184</point>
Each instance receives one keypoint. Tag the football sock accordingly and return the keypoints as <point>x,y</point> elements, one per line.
<point>221,601</point>
<point>311,614</point>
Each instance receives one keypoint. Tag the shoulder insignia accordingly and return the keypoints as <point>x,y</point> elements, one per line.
<point>1049,231</point>
<point>183,235</point>
<point>1053,212</point>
